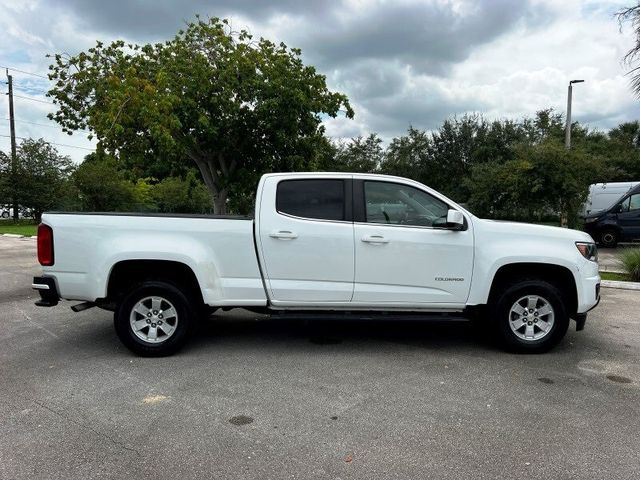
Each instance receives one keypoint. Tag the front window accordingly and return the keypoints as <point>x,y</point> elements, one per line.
<point>398,204</point>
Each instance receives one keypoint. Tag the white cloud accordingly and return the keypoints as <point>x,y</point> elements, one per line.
<point>400,63</point>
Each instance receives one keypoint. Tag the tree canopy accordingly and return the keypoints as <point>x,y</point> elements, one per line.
<point>631,15</point>
<point>39,181</point>
<point>233,106</point>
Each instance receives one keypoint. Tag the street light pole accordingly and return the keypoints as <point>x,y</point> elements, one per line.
<point>567,133</point>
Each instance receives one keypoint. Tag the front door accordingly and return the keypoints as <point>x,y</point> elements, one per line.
<point>401,257</point>
<point>629,217</point>
<point>306,240</point>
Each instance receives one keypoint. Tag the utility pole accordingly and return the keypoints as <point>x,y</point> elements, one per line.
<point>14,158</point>
<point>567,132</point>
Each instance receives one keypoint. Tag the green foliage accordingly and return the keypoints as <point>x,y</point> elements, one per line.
<point>542,179</point>
<point>101,187</point>
<point>631,261</point>
<point>143,195</point>
<point>27,228</point>
<point>508,169</point>
<point>39,180</point>
<point>409,156</point>
<point>176,195</point>
<point>358,155</point>
<point>234,106</point>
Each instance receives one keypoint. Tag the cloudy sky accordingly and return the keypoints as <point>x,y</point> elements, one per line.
<point>402,62</point>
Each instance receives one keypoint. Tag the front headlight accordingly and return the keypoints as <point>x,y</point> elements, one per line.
<point>588,250</point>
<point>591,220</point>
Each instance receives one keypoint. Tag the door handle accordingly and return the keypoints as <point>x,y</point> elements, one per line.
<point>374,239</point>
<point>284,235</point>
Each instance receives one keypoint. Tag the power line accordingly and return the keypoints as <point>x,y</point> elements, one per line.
<point>33,99</point>
<point>57,144</point>
<point>40,124</point>
<point>27,88</point>
<point>26,73</point>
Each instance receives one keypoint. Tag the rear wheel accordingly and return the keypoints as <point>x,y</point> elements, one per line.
<point>609,238</point>
<point>530,316</point>
<point>154,318</point>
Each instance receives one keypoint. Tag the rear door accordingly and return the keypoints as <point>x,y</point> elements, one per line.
<point>306,239</point>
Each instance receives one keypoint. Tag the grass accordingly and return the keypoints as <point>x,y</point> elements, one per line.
<point>631,261</point>
<point>618,277</point>
<point>20,228</point>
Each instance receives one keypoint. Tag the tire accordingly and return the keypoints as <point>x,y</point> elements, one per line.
<point>143,313</point>
<point>537,332</point>
<point>5,214</point>
<point>609,238</point>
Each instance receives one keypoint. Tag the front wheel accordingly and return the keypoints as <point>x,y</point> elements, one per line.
<point>609,238</point>
<point>530,316</point>
<point>154,318</point>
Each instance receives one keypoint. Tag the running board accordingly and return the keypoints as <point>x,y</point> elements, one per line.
<point>364,315</point>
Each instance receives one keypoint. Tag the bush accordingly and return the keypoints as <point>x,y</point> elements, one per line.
<point>631,261</point>
<point>102,187</point>
<point>175,195</point>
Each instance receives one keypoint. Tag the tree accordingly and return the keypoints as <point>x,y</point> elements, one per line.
<point>409,156</point>
<point>235,106</point>
<point>101,187</point>
<point>632,15</point>
<point>543,179</point>
<point>359,154</point>
<point>40,177</point>
<point>5,181</point>
<point>177,195</point>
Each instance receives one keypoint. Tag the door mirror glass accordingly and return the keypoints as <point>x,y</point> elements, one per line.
<point>455,219</point>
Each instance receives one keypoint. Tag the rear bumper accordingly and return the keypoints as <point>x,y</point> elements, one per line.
<point>46,287</point>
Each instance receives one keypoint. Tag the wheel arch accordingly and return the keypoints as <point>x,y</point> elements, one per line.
<point>126,273</point>
<point>558,275</point>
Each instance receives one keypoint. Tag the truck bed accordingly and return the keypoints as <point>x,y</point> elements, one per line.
<point>220,249</point>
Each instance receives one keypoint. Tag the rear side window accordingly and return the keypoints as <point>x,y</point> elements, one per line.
<point>320,199</point>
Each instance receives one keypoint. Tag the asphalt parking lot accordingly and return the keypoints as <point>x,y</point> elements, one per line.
<point>253,398</point>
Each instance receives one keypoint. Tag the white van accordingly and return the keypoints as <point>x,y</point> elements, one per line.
<point>603,195</point>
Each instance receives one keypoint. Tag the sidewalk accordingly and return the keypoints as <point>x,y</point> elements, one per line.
<point>609,261</point>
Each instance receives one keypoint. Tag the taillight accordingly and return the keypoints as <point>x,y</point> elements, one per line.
<point>45,245</point>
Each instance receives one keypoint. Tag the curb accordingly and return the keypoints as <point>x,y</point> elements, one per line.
<point>620,285</point>
<point>16,235</point>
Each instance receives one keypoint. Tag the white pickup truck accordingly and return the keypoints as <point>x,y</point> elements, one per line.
<point>321,243</point>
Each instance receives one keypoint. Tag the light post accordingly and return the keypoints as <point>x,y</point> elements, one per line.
<point>567,133</point>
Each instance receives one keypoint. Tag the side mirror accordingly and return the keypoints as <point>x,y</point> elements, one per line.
<point>617,208</point>
<point>455,219</point>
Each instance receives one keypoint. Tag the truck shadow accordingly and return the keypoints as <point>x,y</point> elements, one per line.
<point>248,329</point>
